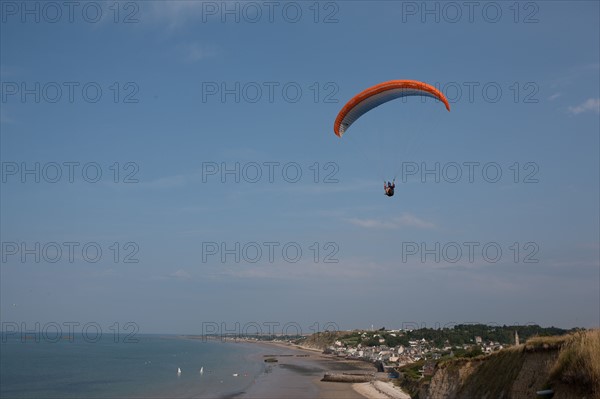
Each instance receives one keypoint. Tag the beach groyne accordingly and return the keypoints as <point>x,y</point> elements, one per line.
<point>348,377</point>
<point>355,377</point>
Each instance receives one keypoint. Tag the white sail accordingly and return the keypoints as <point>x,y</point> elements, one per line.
<point>178,371</point>
<point>202,370</point>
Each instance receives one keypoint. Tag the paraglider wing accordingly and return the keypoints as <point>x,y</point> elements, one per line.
<point>379,94</point>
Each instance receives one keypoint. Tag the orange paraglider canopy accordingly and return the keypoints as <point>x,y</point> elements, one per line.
<point>381,93</point>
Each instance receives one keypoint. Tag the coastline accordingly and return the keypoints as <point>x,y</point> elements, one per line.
<point>379,390</point>
<point>299,371</point>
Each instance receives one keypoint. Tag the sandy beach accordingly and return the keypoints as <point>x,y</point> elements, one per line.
<point>379,390</point>
<point>298,373</point>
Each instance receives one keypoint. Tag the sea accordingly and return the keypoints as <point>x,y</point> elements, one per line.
<point>146,367</point>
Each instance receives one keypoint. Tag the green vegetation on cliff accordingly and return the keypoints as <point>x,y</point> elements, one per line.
<point>458,335</point>
<point>579,362</point>
<point>566,364</point>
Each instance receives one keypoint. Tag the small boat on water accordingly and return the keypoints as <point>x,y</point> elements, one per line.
<point>235,374</point>
<point>178,371</point>
<point>202,370</point>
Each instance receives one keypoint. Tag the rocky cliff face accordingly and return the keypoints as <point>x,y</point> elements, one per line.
<point>512,373</point>
<point>446,383</point>
<point>321,340</point>
<point>534,373</point>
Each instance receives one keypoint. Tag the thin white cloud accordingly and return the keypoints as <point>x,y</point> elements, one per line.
<point>182,274</point>
<point>572,75</point>
<point>314,188</point>
<point>409,220</point>
<point>197,51</point>
<point>174,14</point>
<point>591,105</point>
<point>372,223</point>
<point>351,269</point>
<point>405,220</point>
<point>554,96</point>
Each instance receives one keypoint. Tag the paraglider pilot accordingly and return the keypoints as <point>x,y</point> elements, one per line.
<point>389,188</point>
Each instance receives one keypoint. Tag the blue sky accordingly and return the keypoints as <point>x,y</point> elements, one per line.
<point>524,91</point>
